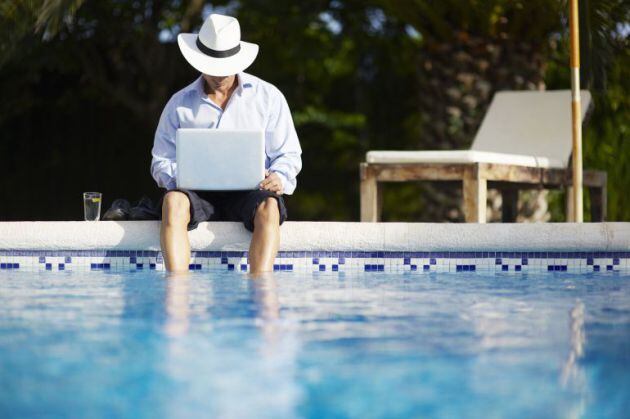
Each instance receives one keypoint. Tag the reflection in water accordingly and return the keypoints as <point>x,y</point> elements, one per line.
<point>177,304</point>
<point>316,345</point>
<point>279,346</point>
<point>499,323</point>
<point>233,354</point>
<point>264,291</point>
<point>572,376</point>
<point>571,370</point>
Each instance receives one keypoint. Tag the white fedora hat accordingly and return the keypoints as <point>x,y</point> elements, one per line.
<point>218,49</point>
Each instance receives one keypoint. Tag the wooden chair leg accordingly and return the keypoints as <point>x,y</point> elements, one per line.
<point>475,195</point>
<point>509,208</point>
<point>370,197</point>
<point>598,203</point>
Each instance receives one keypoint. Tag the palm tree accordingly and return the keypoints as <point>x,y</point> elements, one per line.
<point>469,50</point>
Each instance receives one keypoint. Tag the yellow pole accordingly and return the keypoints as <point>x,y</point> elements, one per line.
<point>576,114</point>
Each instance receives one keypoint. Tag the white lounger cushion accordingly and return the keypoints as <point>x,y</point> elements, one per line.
<point>461,156</point>
<point>524,128</point>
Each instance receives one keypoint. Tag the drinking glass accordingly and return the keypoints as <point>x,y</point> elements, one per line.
<point>92,206</point>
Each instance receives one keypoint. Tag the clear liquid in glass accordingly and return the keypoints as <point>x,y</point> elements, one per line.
<point>92,206</point>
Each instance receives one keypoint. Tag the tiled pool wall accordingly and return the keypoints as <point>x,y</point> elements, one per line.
<point>323,261</point>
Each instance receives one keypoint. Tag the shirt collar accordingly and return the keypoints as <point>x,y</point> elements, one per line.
<point>245,85</point>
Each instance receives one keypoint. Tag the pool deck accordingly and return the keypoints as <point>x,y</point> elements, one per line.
<point>322,236</point>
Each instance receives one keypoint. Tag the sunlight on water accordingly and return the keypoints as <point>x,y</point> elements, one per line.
<point>365,345</point>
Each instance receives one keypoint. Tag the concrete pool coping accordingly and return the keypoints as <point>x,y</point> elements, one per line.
<point>316,236</point>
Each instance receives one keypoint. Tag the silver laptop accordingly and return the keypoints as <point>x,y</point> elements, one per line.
<point>219,160</point>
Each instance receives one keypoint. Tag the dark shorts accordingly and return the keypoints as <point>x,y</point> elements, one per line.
<point>228,206</point>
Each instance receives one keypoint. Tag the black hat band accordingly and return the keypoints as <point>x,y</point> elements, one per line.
<point>215,53</point>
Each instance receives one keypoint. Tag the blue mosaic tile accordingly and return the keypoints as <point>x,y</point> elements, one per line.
<point>615,261</point>
<point>557,268</point>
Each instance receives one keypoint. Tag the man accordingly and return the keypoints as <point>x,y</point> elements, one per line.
<point>224,97</point>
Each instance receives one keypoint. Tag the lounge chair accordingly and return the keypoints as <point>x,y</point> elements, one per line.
<point>524,142</point>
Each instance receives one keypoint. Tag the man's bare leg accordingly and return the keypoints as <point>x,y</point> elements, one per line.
<point>174,232</point>
<point>266,239</point>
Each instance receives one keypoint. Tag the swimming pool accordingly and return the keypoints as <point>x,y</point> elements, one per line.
<point>314,344</point>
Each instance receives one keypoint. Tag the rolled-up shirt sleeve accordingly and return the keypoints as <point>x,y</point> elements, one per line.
<point>163,164</point>
<point>282,145</point>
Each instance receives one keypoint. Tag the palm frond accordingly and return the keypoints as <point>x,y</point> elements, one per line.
<point>53,14</point>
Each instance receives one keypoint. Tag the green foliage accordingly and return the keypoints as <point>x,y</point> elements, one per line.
<point>527,21</point>
<point>607,138</point>
<point>606,72</point>
<point>84,83</point>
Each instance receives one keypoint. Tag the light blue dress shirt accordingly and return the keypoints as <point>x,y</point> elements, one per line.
<point>254,104</point>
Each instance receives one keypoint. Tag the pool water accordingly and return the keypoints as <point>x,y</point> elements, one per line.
<point>335,345</point>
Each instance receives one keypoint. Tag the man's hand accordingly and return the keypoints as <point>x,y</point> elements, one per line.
<point>272,183</point>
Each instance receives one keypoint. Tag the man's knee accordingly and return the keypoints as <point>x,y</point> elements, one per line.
<point>268,212</point>
<point>175,208</point>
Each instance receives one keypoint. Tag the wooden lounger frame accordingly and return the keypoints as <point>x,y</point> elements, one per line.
<point>476,178</point>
